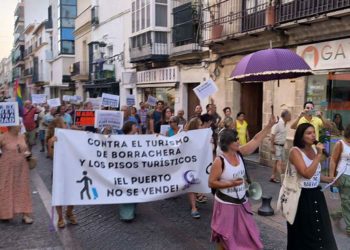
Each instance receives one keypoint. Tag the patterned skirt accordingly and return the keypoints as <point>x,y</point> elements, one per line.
<point>312,227</point>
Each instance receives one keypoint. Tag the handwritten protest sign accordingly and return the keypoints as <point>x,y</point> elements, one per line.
<point>165,128</point>
<point>151,100</point>
<point>99,169</point>
<point>109,100</point>
<point>206,89</point>
<point>105,118</point>
<point>130,100</point>
<point>38,98</point>
<point>96,102</point>
<point>9,114</point>
<point>84,118</point>
<point>56,102</point>
<point>66,98</point>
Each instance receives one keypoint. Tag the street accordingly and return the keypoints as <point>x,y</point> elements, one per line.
<point>165,224</point>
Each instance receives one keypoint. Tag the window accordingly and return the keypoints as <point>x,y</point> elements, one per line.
<point>67,47</point>
<point>69,2</point>
<point>69,11</point>
<point>161,15</point>
<point>67,22</point>
<point>67,34</point>
<point>140,15</point>
<point>161,37</point>
<point>252,6</point>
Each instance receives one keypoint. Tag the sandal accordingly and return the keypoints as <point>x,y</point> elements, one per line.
<point>61,224</point>
<point>72,219</point>
<point>27,220</point>
<point>274,180</point>
<point>201,198</point>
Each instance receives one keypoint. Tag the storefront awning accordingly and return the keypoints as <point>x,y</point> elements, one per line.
<point>157,85</point>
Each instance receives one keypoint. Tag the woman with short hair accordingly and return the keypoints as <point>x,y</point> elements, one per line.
<point>232,223</point>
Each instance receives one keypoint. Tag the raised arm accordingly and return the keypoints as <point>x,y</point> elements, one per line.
<point>254,143</point>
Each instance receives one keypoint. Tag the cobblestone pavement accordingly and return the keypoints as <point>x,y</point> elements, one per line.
<point>159,225</point>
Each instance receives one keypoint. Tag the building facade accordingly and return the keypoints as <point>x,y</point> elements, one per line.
<point>233,29</point>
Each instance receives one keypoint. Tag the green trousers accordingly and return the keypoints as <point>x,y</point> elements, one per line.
<point>344,191</point>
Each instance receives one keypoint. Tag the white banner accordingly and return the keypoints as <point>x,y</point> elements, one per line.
<point>105,118</point>
<point>206,89</point>
<point>109,100</point>
<point>66,98</point>
<point>97,169</point>
<point>38,98</point>
<point>9,114</point>
<point>56,102</point>
<point>96,102</point>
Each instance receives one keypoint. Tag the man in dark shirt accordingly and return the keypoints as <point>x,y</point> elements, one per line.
<point>156,117</point>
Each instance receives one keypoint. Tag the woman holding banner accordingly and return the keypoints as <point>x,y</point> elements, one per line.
<point>51,138</point>
<point>233,226</point>
<point>15,195</point>
<point>127,210</point>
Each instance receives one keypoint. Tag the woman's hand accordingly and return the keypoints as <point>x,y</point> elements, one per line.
<point>237,182</point>
<point>272,121</point>
<point>54,138</point>
<point>320,148</point>
<point>328,179</point>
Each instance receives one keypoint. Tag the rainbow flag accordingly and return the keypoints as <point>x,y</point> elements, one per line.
<point>18,95</point>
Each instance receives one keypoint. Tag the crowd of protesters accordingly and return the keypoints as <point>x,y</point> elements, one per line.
<point>232,224</point>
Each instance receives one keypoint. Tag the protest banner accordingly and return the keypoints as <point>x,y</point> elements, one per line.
<point>75,99</point>
<point>109,100</point>
<point>164,128</point>
<point>100,169</point>
<point>56,102</point>
<point>206,89</point>
<point>96,102</point>
<point>84,118</point>
<point>130,100</point>
<point>151,100</point>
<point>38,98</point>
<point>111,118</point>
<point>9,114</point>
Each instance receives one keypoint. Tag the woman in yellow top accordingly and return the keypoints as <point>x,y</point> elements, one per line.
<point>241,127</point>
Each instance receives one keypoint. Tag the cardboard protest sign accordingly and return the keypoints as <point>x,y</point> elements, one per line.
<point>84,118</point>
<point>76,99</point>
<point>111,118</point>
<point>38,98</point>
<point>99,169</point>
<point>56,102</point>
<point>151,100</point>
<point>130,100</point>
<point>9,114</point>
<point>109,100</point>
<point>206,89</point>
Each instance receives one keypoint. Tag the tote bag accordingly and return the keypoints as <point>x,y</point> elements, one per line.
<point>289,195</point>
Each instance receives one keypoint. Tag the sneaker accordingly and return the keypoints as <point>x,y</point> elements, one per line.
<point>195,214</point>
<point>27,220</point>
<point>274,180</point>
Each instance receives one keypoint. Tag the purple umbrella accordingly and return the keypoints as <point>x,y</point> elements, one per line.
<point>270,64</point>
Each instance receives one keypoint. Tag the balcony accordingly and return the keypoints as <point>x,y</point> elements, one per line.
<point>155,52</point>
<point>28,72</point>
<point>229,18</point>
<point>18,20</point>
<point>48,24</point>
<point>297,9</point>
<point>103,76</point>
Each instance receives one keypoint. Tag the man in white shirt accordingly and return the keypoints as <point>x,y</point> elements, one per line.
<point>278,140</point>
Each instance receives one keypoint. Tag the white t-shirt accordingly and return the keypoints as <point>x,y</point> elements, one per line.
<point>279,130</point>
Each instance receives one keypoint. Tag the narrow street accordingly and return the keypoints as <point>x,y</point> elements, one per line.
<point>164,224</point>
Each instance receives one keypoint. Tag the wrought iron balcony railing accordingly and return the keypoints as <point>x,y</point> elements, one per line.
<point>229,17</point>
<point>288,10</point>
<point>149,51</point>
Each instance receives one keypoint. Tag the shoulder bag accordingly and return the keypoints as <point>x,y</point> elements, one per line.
<point>289,195</point>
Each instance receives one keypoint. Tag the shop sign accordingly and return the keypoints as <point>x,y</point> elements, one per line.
<point>326,55</point>
<point>169,74</point>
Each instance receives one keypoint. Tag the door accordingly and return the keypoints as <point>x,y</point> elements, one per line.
<point>251,105</point>
<point>192,99</point>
